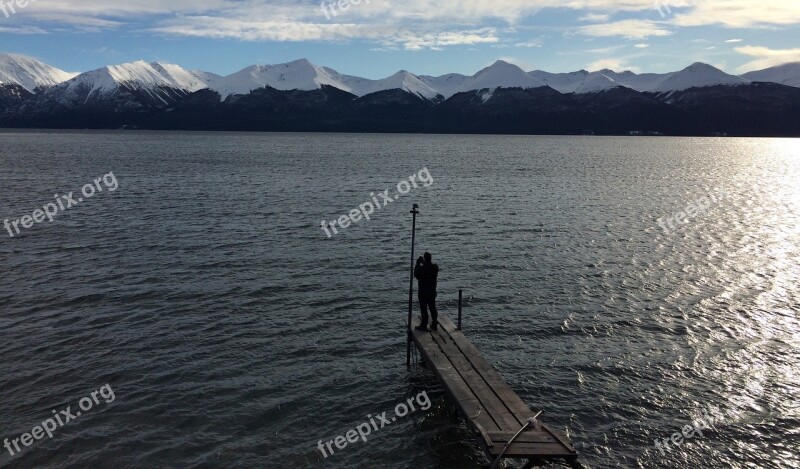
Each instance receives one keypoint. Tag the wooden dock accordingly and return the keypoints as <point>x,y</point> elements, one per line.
<point>493,410</point>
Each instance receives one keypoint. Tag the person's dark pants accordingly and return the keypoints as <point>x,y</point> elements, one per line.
<point>426,302</point>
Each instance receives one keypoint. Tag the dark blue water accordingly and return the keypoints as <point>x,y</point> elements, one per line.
<point>234,333</point>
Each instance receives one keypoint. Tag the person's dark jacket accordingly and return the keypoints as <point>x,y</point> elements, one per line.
<point>427,275</point>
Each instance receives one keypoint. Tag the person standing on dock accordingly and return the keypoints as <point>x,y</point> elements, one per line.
<point>426,273</point>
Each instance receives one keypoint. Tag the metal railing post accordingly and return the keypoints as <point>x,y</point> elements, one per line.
<point>414,213</point>
<point>459,308</point>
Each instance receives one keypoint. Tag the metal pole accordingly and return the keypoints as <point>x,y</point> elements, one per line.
<point>414,213</point>
<point>459,308</point>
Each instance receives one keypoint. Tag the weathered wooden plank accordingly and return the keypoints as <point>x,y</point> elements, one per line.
<point>561,437</point>
<point>532,436</point>
<point>488,396</point>
<point>530,450</point>
<point>487,371</point>
<point>470,405</point>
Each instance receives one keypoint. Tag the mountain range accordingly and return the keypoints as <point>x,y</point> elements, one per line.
<point>501,98</point>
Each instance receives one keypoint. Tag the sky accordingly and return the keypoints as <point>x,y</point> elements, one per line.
<point>376,38</point>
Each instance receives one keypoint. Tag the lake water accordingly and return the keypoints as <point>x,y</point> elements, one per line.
<point>235,333</point>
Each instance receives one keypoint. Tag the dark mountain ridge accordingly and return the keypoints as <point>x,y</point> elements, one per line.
<point>754,109</point>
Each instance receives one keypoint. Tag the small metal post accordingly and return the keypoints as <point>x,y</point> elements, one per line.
<point>459,308</point>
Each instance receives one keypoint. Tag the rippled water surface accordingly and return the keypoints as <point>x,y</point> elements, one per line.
<point>234,333</point>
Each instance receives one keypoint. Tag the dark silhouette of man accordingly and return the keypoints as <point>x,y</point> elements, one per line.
<point>426,273</point>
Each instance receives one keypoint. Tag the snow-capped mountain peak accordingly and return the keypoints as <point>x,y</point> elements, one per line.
<point>30,73</point>
<point>562,82</point>
<point>162,84</point>
<point>578,82</point>
<point>303,75</point>
<point>297,75</point>
<point>140,75</point>
<point>499,65</point>
<point>446,85</point>
<point>403,80</point>
<point>181,78</point>
<point>596,83</point>
<point>786,74</point>
<point>502,74</point>
<point>697,75</point>
<point>407,81</point>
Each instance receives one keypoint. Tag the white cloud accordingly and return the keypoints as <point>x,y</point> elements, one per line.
<point>605,50</point>
<point>696,12</point>
<point>632,29</point>
<point>766,57</point>
<point>22,30</point>
<point>287,31</point>
<point>415,41</point>
<point>642,46</point>
<point>733,40</point>
<point>594,18</point>
<point>412,24</point>
<point>255,30</point>
<point>740,13</point>
<point>80,22</point>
